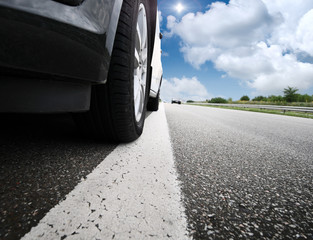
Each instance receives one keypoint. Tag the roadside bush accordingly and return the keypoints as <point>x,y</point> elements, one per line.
<point>218,100</point>
<point>190,101</point>
<point>304,98</point>
<point>275,99</point>
<point>259,99</point>
<point>245,98</point>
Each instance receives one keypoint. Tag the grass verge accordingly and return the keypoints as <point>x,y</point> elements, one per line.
<point>278,112</point>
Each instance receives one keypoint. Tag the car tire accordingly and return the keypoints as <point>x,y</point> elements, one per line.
<point>118,108</point>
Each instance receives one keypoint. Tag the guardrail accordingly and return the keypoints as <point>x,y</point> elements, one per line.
<point>269,107</point>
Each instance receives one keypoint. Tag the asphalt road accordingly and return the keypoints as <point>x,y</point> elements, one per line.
<point>58,185</point>
<point>132,194</point>
<point>42,158</point>
<point>243,175</point>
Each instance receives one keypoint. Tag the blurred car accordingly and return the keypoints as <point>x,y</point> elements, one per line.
<point>176,101</point>
<point>97,59</point>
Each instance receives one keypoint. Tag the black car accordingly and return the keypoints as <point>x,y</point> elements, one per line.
<point>176,101</point>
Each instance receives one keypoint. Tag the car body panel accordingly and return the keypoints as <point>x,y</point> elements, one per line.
<point>91,15</point>
<point>156,63</point>
<point>70,2</point>
<point>74,42</point>
<point>59,45</point>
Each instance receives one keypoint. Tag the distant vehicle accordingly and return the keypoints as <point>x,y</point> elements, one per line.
<point>176,101</point>
<point>100,60</point>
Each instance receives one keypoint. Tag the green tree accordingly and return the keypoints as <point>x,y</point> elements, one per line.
<point>290,94</point>
<point>218,100</point>
<point>305,98</point>
<point>259,98</point>
<point>273,98</point>
<point>245,98</point>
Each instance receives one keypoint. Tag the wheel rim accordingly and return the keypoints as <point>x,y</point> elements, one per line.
<point>140,63</point>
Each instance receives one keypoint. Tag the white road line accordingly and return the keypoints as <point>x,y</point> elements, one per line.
<point>133,193</point>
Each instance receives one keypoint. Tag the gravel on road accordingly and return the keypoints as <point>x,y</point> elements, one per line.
<point>42,159</point>
<point>244,175</point>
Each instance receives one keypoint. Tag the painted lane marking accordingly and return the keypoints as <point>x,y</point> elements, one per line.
<point>133,193</point>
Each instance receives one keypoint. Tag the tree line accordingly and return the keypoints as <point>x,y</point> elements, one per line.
<point>290,95</point>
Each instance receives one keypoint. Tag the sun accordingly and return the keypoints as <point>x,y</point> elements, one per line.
<point>179,7</point>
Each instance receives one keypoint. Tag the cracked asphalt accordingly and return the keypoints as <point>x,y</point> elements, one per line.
<point>244,175</point>
<point>132,194</point>
<point>57,185</point>
<point>42,159</point>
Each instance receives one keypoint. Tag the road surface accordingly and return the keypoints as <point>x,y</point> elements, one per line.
<point>197,172</point>
<point>56,185</point>
<point>244,175</point>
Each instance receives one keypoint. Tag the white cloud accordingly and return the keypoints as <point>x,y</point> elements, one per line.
<point>267,69</point>
<point>258,41</point>
<point>304,34</point>
<point>184,89</point>
<point>160,17</point>
<point>171,22</point>
<point>165,54</point>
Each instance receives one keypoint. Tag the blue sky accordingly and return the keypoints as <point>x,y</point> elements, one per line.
<point>234,48</point>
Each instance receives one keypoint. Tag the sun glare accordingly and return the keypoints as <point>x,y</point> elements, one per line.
<point>179,7</point>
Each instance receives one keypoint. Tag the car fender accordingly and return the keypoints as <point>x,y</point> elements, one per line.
<point>156,63</point>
